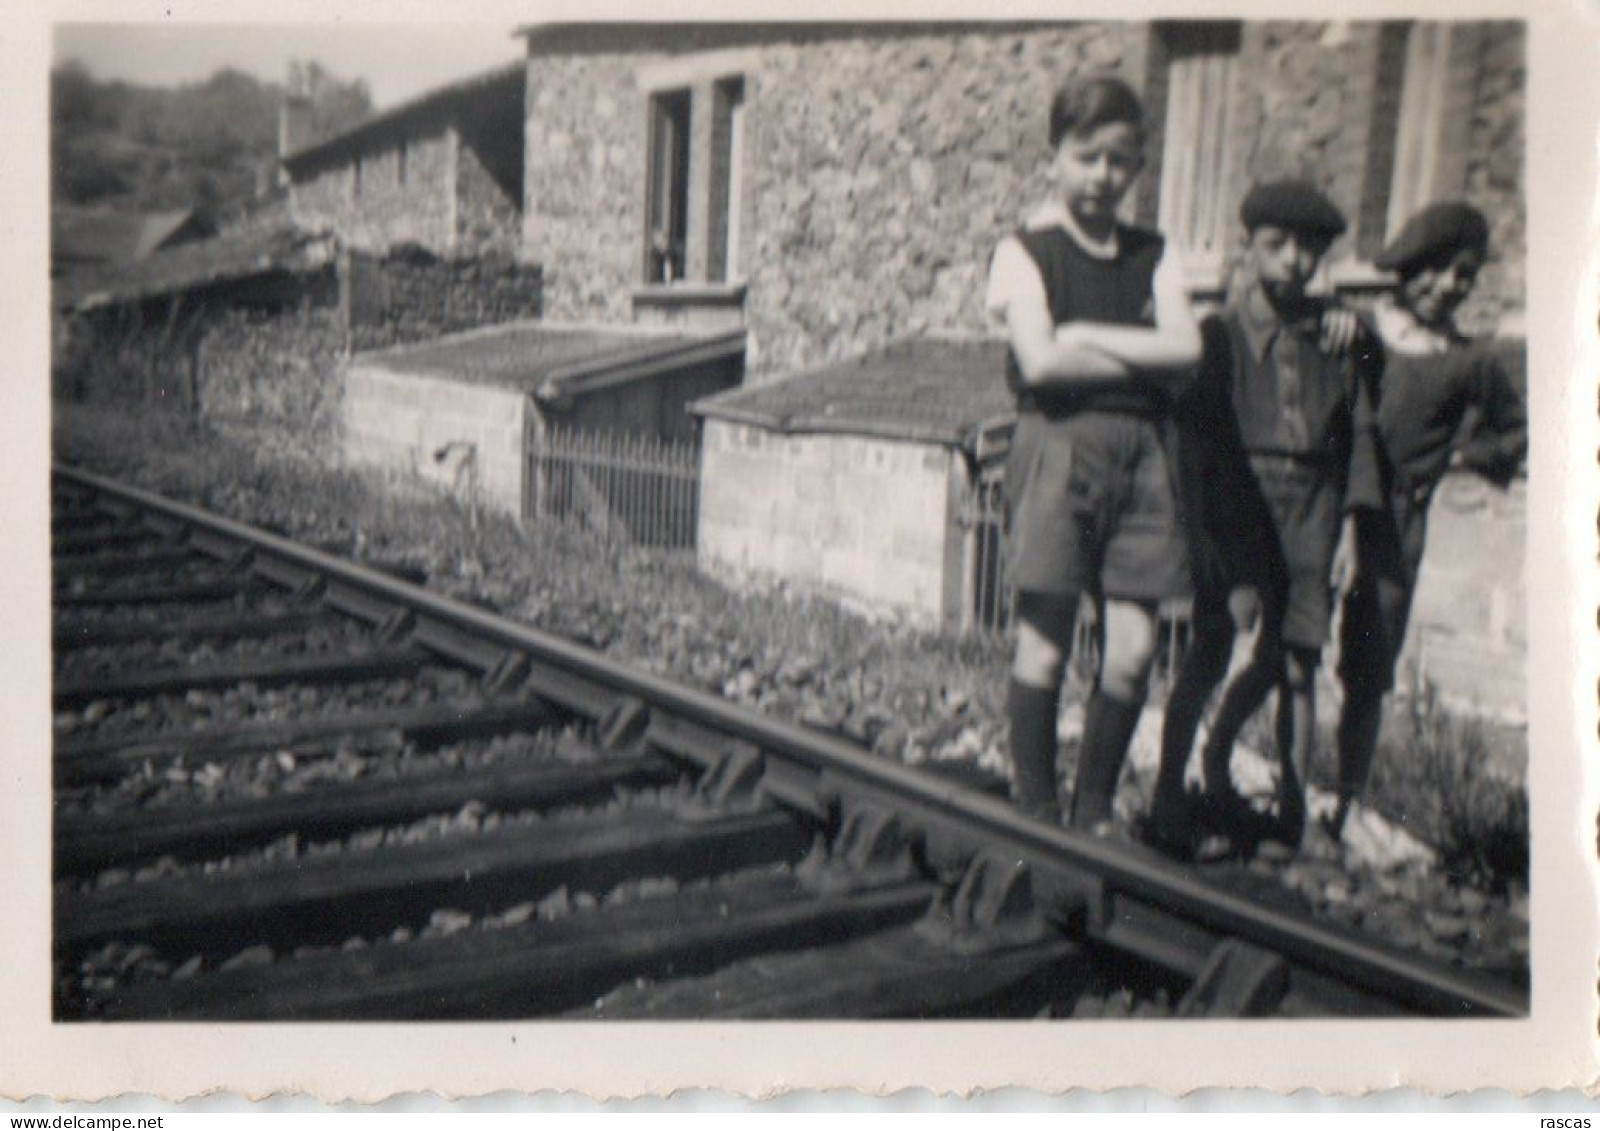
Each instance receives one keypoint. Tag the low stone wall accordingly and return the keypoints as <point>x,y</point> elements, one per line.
<point>864,519</point>
<point>410,295</point>
<point>275,370</point>
<point>1469,629</point>
<point>401,422</point>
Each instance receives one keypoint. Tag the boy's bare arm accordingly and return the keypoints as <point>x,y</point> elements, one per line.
<point>1045,359</point>
<point>1173,345</point>
<point>1019,306</point>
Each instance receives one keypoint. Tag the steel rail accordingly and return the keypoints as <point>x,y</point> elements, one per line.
<point>1325,951</point>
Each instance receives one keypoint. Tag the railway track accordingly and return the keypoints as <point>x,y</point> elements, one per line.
<point>288,786</point>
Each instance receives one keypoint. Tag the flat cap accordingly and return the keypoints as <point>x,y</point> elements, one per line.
<point>1438,230</point>
<point>1298,206</point>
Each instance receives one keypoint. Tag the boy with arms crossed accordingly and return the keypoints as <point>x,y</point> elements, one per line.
<point>1101,336</point>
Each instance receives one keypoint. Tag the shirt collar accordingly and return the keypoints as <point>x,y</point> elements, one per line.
<point>1262,323</point>
<point>1057,215</point>
<point>1402,332</point>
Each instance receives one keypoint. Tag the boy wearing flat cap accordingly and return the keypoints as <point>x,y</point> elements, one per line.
<point>1445,403</point>
<point>1281,450</point>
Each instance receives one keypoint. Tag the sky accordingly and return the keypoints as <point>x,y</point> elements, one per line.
<point>398,61</point>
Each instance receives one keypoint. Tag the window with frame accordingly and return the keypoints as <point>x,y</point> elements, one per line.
<point>667,209</point>
<point>727,188</point>
<point>1201,107</point>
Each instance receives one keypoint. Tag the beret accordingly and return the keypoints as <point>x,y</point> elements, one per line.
<point>1298,206</point>
<point>1437,230</point>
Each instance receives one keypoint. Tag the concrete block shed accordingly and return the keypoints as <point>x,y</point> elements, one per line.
<point>855,478</point>
<point>490,396</point>
<point>875,479</point>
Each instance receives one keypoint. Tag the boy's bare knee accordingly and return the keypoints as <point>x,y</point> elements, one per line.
<point>1129,655</point>
<point>1038,661</point>
<point>1038,670</point>
<point>1126,687</point>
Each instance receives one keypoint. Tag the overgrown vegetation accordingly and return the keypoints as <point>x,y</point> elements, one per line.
<point>909,694</point>
<point>205,145</point>
<point>1438,775</point>
<point>1449,780</point>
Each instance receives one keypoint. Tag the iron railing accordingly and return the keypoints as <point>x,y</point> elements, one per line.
<point>637,489</point>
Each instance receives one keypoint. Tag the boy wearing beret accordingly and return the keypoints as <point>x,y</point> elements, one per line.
<point>1283,423</point>
<point>1445,403</point>
<point>1101,335</point>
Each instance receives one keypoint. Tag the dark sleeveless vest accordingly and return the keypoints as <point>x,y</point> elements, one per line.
<point>1080,287</point>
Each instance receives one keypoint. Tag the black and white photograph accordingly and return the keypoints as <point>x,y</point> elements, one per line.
<point>1030,520</point>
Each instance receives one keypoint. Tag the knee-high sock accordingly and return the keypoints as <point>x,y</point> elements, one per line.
<point>1359,725</point>
<point>1108,726</point>
<point>1033,747</point>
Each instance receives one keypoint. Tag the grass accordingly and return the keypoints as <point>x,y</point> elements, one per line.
<point>908,693</point>
<point>1437,774</point>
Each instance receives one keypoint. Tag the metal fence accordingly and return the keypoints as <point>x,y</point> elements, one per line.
<point>636,489</point>
<point>988,607</point>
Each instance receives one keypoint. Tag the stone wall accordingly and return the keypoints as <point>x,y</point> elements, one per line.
<point>876,185</point>
<point>387,210</point>
<point>1469,633</point>
<point>275,370</point>
<point>881,167</point>
<point>488,219</point>
<point>863,519</point>
<point>1306,100</point>
<point>400,422</point>
<point>410,295</point>
<point>433,190</point>
<point>1494,172</point>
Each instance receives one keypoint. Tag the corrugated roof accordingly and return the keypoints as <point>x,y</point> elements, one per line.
<point>556,361</point>
<point>512,75</point>
<point>937,390</point>
<point>229,257</point>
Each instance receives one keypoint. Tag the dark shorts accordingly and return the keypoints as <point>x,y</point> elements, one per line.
<point>1091,509</point>
<point>1306,507</point>
<point>1377,609</point>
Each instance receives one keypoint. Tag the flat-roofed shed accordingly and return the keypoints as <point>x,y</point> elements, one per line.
<point>860,477</point>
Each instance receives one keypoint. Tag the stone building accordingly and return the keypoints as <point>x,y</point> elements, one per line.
<point>836,186</point>
<point>443,171</point>
<point>830,189</point>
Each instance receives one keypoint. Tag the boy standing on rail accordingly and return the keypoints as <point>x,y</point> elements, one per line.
<point>1271,538</point>
<point>1445,403</point>
<point>1101,337</point>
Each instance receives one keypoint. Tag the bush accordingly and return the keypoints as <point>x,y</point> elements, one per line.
<point>1438,775</point>
<point>1476,817</point>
